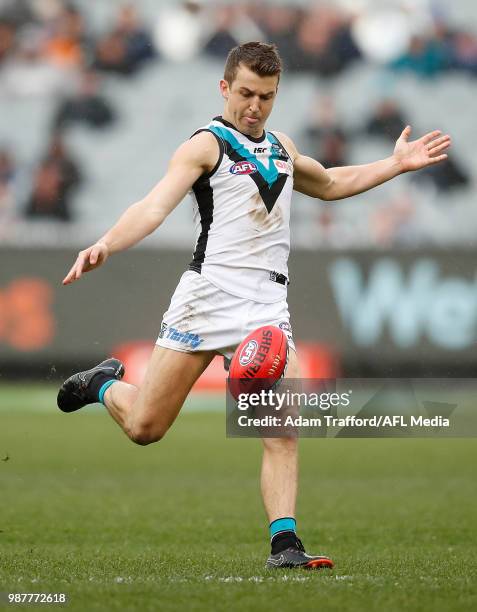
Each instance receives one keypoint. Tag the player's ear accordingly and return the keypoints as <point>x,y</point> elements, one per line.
<point>224,89</point>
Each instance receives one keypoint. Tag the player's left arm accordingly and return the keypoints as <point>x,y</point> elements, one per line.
<point>312,179</point>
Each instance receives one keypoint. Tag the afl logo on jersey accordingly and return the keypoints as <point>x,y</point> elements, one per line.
<point>244,167</point>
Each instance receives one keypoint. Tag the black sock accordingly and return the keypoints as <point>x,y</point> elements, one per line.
<point>283,540</point>
<point>98,381</point>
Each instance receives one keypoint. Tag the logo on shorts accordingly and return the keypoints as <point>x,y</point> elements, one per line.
<point>185,338</point>
<point>244,167</point>
<point>163,329</point>
<point>286,327</point>
<point>248,352</point>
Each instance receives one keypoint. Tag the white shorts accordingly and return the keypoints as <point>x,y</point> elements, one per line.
<point>202,317</point>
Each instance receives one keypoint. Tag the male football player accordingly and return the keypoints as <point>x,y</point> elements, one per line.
<point>241,179</point>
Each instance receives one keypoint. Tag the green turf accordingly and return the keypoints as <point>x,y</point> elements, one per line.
<point>179,525</point>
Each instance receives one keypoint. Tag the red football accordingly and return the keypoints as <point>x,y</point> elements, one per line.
<point>259,361</point>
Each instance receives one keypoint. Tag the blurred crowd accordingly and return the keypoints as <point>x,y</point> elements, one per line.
<point>48,40</point>
<point>48,48</point>
<point>329,139</point>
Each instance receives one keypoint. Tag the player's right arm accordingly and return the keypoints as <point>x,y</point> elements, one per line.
<point>193,158</point>
<point>312,179</point>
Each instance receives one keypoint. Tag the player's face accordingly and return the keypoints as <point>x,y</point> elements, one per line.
<point>249,100</point>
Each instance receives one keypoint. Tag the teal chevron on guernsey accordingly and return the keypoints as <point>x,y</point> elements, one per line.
<point>269,174</point>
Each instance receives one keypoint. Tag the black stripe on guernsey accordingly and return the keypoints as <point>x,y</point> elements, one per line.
<point>280,143</point>
<point>205,200</point>
<point>220,142</point>
<point>269,194</point>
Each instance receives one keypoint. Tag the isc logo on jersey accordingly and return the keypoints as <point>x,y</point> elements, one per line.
<point>248,352</point>
<point>244,167</point>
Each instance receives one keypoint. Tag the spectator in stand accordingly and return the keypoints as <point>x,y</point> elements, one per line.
<point>179,30</point>
<point>314,43</point>
<point>140,47</point>
<point>222,40</point>
<point>64,46</point>
<point>426,57</point>
<point>125,49</point>
<point>450,176</point>
<point>28,73</point>
<point>55,181</point>
<point>111,55</point>
<point>7,187</point>
<point>7,39</point>
<point>387,121</point>
<point>325,45</point>
<point>328,141</point>
<point>343,42</point>
<point>463,51</point>
<point>334,149</point>
<point>280,27</point>
<point>87,106</point>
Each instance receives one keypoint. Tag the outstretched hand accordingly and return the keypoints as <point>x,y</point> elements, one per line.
<point>89,259</point>
<point>426,151</point>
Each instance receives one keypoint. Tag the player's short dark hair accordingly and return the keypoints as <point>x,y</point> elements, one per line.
<point>261,58</point>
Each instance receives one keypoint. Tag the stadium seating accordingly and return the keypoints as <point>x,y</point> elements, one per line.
<point>162,105</point>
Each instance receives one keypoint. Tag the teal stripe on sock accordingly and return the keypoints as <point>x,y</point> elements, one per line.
<point>287,523</point>
<point>104,388</point>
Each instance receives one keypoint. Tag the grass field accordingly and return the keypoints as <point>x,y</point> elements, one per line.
<point>179,525</point>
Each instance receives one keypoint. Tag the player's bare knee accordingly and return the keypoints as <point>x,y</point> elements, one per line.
<point>145,433</point>
<point>143,437</point>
